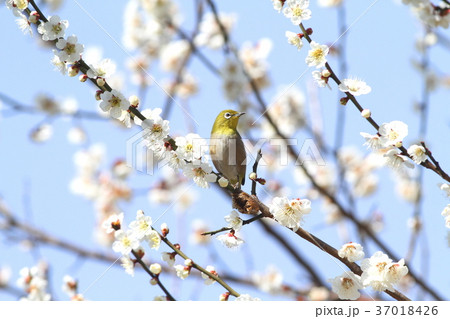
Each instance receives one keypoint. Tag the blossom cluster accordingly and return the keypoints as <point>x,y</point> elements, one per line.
<point>149,31</point>
<point>287,110</point>
<point>253,62</point>
<point>270,281</point>
<point>297,11</point>
<point>389,137</point>
<point>188,152</point>
<point>34,282</point>
<point>70,287</point>
<point>106,188</point>
<point>378,272</point>
<point>288,212</point>
<point>129,240</point>
<point>359,170</point>
<point>432,15</point>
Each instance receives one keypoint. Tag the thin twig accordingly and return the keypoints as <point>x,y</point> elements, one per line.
<point>200,268</point>
<point>156,277</point>
<point>255,169</point>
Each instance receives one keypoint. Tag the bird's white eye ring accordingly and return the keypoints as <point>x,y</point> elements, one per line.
<point>227,115</point>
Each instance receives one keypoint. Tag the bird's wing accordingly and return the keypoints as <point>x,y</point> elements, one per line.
<point>241,159</point>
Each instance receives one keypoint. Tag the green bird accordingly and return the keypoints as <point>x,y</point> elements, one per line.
<point>227,149</point>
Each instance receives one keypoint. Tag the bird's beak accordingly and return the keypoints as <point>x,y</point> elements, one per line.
<point>240,114</point>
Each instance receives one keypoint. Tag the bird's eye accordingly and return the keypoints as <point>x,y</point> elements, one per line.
<point>227,115</point>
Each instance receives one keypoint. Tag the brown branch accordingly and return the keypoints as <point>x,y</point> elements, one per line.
<point>427,164</point>
<point>361,226</point>
<point>200,268</point>
<point>156,277</point>
<point>331,251</point>
<point>255,169</point>
<point>19,107</point>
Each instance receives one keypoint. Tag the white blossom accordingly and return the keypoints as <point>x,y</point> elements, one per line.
<point>113,223</point>
<point>71,50</point>
<point>24,24</point>
<point>53,29</point>
<point>230,240</point>
<point>290,213</point>
<point>354,86</point>
<point>446,213</point>
<point>247,297</point>
<point>169,258</point>
<point>153,240</point>
<point>270,281</point>
<point>417,153</point>
<point>210,34</point>
<point>346,286</point>
<point>380,273</point>
<point>191,147</point>
<point>200,173</point>
<point>393,133</point>
<point>277,4</point>
<point>17,6</point>
<point>142,226</point>
<point>209,280</point>
<point>125,242</point>
<point>182,271</point>
<point>155,130</point>
<point>321,77</point>
<point>396,160</point>
<point>317,55</point>
<point>113,102</point>
<point>352,251</point>
<point>373,142</point>
<point>294,39</point>
<point>234,221</point>
<point>297,11</point>
<point>127,264</point>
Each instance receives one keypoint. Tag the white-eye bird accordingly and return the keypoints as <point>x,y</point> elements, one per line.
<point>227,149</point>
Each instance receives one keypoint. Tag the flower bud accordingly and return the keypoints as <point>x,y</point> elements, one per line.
<point>164,229</point>
<point>224,296</point>
<point>83,78</point>
<point>223,182</point>
<point>155,268</point>
<point>140,252</point>
<point>34,17</point>
<point>262,181</point>
<point>100,81</point>
<point>343,101</point>
<point>134,101</point>
<point>366,113</point>
<point>97,95</point>
<point>73,70</point>
<point>253,176</point>
<point>153,281</point>
<point>326,73</point>
<point>188,262</point>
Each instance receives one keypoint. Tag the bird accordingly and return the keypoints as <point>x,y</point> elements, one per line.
<point>227,149</point>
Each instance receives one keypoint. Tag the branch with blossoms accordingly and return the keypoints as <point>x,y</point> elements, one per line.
<point>389,134</point>
<point>317,57</point>
<point>345,87</point>
<point>290,214</point>
<point>141,230</point>
<point>39,236</point>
